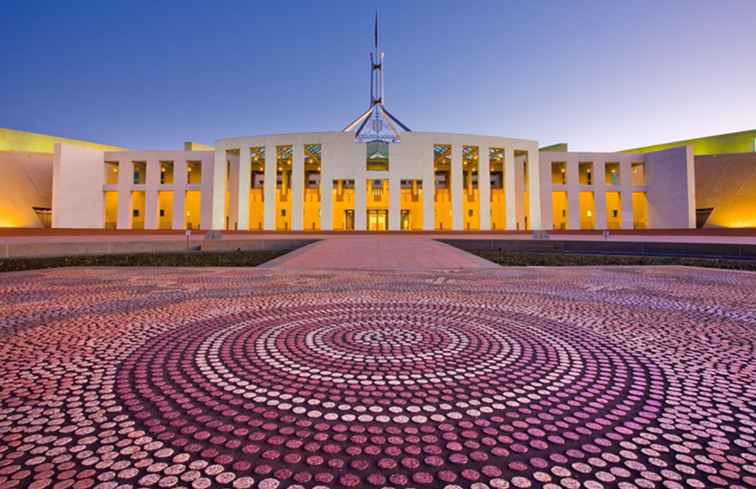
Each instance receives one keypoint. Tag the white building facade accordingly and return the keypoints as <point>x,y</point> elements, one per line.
<point>328,181</point>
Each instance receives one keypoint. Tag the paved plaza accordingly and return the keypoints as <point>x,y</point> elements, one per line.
<point>477,377</point>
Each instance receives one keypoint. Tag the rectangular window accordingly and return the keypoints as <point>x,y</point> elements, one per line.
<point>559,173</point>
<point>140,172</point>
<point>193,172</point>
<point>611,173</point>
<point>377,156</point>
<point>166,172</point>
<point>111,173</point>
<point>585,173</point>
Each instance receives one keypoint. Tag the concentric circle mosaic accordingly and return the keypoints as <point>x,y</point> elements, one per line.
<point>613,377</point>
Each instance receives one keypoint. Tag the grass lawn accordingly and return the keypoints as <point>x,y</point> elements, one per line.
<point>187,259</point>
<point>517,259</point>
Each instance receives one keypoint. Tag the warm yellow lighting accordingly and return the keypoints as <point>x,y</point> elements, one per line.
<point>588,213</point>
<point>188,213</point>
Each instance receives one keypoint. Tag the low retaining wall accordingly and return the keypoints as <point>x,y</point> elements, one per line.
<point>27,250</point>
<point>693,250</point>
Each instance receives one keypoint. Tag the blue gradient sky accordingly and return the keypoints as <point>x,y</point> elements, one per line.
<point>598,75</point>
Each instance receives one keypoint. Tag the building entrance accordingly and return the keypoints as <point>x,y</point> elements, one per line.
<point>405,220</point>
<point>349,220</point>
<point>377,219</point>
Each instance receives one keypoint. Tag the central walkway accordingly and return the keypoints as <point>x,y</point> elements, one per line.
<point>379,253</point>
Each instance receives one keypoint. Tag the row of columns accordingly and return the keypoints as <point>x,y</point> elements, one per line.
<point>239,189</point>
<point>599,190</point>
<point>151,187</point>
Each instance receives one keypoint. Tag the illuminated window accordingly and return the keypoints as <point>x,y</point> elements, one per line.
<point>558,173</point>
<point>585,173</point>
<point>611,173</point>
<point>111,172</point>
<point>377,156</point>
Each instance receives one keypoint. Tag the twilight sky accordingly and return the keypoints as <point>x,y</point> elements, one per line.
<point>597,75</point>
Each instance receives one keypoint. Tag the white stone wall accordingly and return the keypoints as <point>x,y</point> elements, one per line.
<point>598,186</point>
<point>671,188</point>
<point>79,182</point>
<point>342,158</point>
<point>77,197</point>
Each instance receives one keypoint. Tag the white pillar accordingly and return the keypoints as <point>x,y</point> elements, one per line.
<point>360,205</point>
<point>178,219</point>
<point>242,183</point>
<point>484,187</point>
<point>152,181</point>
<point>573,195</point>
<point>326,191</point>
<point>395,203</point>
<point>297,187</point>
<point>626,194</point>
<point>429,188</point>
<point>125,180</point>
<point>599,196</point>
<point>151,219</point>
<point>456,188</point>
<point>520,204</point>
<point>269,190</point>
<point>217,181</point>
<point>233,190</point>
<point>537,220</point>
<point>178,206</point>
<point>510,188</point>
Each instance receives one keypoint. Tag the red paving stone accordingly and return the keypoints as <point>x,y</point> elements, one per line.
<point>591,377</point>
<point>383,252</point>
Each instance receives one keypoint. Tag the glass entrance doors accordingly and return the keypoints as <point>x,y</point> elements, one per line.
<point>349,220</point>
<point>377,219</point>
<point>405,220</point>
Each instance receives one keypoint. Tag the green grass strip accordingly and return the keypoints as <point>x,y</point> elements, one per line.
<point>187,259</point>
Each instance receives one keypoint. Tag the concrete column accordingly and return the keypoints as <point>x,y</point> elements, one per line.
<point>242,184</point>
<point>484,188</point>
<point>599,195</point>
<point>510,188</point>
<point>179,198</point>
<point>269,191</point>
<point>297,187</point>
<point>457,183</point>
<point>626,194</point>
<point>208,194</point>
<point>125,180</point>
<point>326,191</point>
<point>573,195</point>
<point>151,209</point>
<point>360,205</point>
<point>152,181</point>
<point>233,190</point>
<point>217,181</point>
<point>429,189</point>
<point>538,194</point>
<point>395,203</point>
<point>519,185</point>
<point>178,219</point>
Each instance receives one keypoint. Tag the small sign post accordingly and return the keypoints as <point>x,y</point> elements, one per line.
<point>188,235</point>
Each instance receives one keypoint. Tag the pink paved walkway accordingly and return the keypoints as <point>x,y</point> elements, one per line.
<point>379,253</point>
